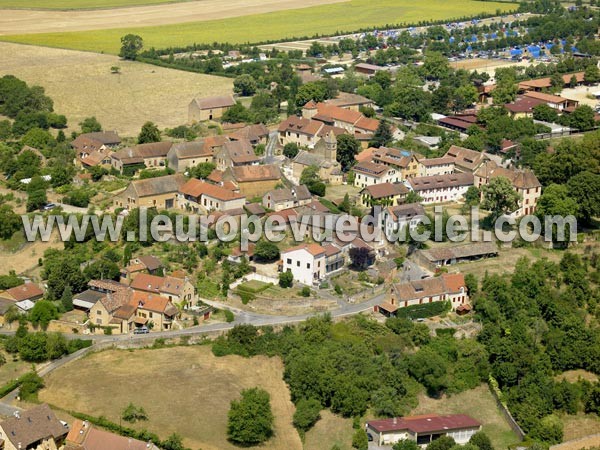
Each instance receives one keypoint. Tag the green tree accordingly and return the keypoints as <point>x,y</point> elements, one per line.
<point>406,444</point>
<point>591,74</point>
<point>10,223</point>
<point>360,440</point>
<point>31,383</point>
<point>236,114</point>
<point>250,420</point>
<point>42,313</point>
<point>286,279</point>
<point>32,347</point>
<point>347,148</point>
<point>90,125</point>
<point>545,113</point>
<point>266,251</point>
<point>481,441</point>
<point>442,443</point>
<point>67,299</point>
<point>131,44</point>
<point>382,136</point>
<point>549,430</point>
<point>37,138</point>
<point>582,118</point>
<point>413,197</point>
<point>36,199</point>
<point>307,413</point>
<point>499,197</point>
<point>290,150</point>
<point>149,133</point>
<point>173,442</point>
<point>202,170</point>
<point>133,414</point>
<point>584,188</point>
<point>244,85</point>
<point>56,346</point>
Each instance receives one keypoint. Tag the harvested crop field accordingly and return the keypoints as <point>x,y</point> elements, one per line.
<point>197,386</point>
<point>43,21</point>
<point>82,85</point>
<point>323,19</point>
<point>77,4</point>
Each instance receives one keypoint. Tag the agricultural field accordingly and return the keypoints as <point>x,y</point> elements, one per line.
<point>82,85</point>
<point>323,19</point>
<point>20,21</point>
<point>78,4</point>
<point>197,386</point>
<point>478,403</point>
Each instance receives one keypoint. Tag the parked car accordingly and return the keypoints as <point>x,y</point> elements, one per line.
<point>370,437</point>
<point>48,206</point>
<point>141,330</point>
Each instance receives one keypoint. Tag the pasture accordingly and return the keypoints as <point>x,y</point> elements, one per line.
<point>197,386</point>
<point>324,19</point>
<point>82,85</point>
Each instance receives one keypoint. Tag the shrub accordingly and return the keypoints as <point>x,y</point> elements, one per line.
<point>307,413</point>
<point>31,383</point>
<point>229,317</point>
<point>250,420</point>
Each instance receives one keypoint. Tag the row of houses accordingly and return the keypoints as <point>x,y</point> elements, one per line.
<point>387,175</point>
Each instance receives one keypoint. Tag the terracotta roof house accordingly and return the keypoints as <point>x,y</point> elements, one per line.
<point>255,134</point>
<point>84,436</point>
<point>154,308</point>
<point>554,101</point>
<point>523,106</point>
<point>306,262</point>
<point>159,192</point>
<point>368,69</point>
<point>236,153</point>
<point>253,181</point>
<point>88,142</point>
<point>177,290</point>
<point>465,160</point>
<point>34,428</point>
<point>209,108</point>
<point>27,291</point>
<point>141,264</point>
<point>384,194</point>
<point>422,429</point>
<point>447,287</point>
<point>350,101</point>
<point>347,119</point>
<point>524,181</point>
<point>368,173</point>
<point>196,195</point>
<point>305,132</point>
<point>106,286</point>
<point>442,188</point>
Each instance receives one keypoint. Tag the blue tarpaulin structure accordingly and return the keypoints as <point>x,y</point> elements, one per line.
<point>534,51</point>
<point>516,51</point>
<point>451,40</point>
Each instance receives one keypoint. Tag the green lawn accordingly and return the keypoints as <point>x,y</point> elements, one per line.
<point>324,19</point>
<point>78,4</point>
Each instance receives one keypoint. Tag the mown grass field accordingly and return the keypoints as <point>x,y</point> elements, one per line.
<point>185,390</point>
<point>82,85</point>
<point>78,4</point>
<point>324,19</point>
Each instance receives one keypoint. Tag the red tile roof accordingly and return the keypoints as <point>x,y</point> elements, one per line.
<point>25,291</point>
<point>425,423</point>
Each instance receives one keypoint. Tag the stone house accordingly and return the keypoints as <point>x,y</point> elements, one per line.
<point>279,199</point>
<point>198,196</point>
<point>370,173</point>
<point>209,108</point>
<point>253,181</point>
<point>36,428</point>
<point>159,192</point>
<point>235,154</point>
<point>442,188</point>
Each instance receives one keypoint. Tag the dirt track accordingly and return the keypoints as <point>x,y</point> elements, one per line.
<point>31,21</point>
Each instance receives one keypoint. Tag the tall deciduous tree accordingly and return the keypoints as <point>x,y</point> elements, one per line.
<point>131,44</point>
<point>382,136</point>
<point>250,420</point>
<point>499,197</point>
<point>347,148</point>
<point>149,133</point>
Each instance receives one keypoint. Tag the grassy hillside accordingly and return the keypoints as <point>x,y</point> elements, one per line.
<point>325,19</point>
